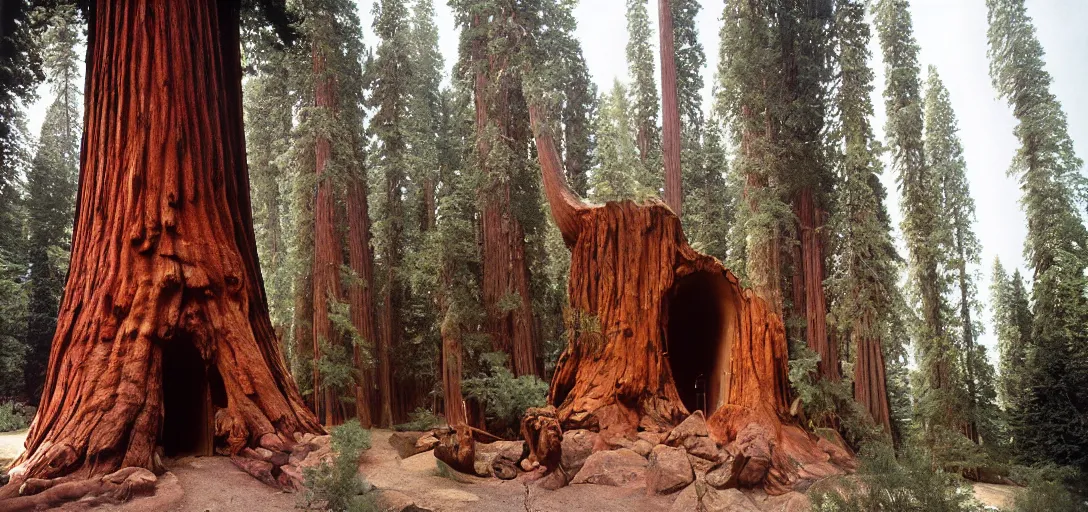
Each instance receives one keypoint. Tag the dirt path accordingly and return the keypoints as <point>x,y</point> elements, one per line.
<point>11,445</point>
<point>999,496</point>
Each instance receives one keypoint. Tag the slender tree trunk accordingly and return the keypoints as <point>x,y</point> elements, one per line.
<point>505,269</point>
<point>764,251</point>
<point>670,110</point>
<point>328,255</point>
<point>361,296</point>
<point>163,254</point>
<point>451,360</point>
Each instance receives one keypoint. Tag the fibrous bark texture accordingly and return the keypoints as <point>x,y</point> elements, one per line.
<point>361,296</point>
<point>327,253</point>
<point>870,379</point>
<point>670,109</point>
<point>163,254</point>
<point>810,300</point>
<point>505,268</point>
<point>662,330</point>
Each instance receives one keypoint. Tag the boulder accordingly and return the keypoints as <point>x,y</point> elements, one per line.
<point>728,500</point>
<point>577,446</point>
<point>396,501</point>
<point>642,447</point>
<point>618,468</point>
<point>654,438</point>
<point>694,425</point>
<point>405,443</point>
<point>510,450</point>
<point>753,449</point>
<point>553,480</point>
<point>504,469</point>
<point>725,474</point>
<point>702,447</point>
<point>668,470</point>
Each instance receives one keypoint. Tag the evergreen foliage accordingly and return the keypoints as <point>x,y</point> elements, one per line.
<point>617,154</point>
<point>337,485</point>
<point>863,286</point>
<point>1055,385</point>
<point>51,191</point>
<point>505,397</point>
<point>646,102</point>
<point>926,237</point>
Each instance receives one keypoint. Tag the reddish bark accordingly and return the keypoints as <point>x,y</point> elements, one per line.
<point>810,300</point>
<point>670,110</point>
<point>505,269</point>
<point>327,252</point>
<point>163,254</point>
<point>870,380</point>
<point>655,315</point>
<point>361,296</point>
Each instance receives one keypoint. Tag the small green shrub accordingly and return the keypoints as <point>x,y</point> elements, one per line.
<point>421,419</point>
<point>504,396</point>
<point>1047,490</point>
<point>13,417</point>
<point>883,483</point>
<point>338,486</point>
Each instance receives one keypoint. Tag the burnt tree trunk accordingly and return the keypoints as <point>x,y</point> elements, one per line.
<point>361,296</point>
<point>657,317</point>
<point>327,252</point>
<point>670,110</point>
<point>505,269</point>
<point>164,261</point>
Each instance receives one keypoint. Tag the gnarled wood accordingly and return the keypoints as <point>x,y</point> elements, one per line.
<point>163,251</point>
<point>662,330</point>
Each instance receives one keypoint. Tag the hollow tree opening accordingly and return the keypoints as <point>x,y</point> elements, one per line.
<point>188,418</point>
<point>700,323</point>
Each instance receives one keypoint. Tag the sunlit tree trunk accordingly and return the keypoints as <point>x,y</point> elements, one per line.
<point>164,257</point>
<point>670,110</point>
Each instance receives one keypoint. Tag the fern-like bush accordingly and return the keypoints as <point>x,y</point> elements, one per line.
<point>337,486</point>
<point>419,419</point>
<point>13,417</point>
<point>505,397</point>
<point>883,483</point>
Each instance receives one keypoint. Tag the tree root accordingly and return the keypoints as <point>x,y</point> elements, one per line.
<point>116,487</point>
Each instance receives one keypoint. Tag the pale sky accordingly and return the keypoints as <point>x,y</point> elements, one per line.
<point>952,36</point>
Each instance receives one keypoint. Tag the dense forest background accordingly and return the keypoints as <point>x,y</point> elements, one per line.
<point>406,248</point>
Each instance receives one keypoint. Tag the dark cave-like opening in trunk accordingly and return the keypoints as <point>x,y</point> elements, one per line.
<point>187,391</point>
<point>701,324</point>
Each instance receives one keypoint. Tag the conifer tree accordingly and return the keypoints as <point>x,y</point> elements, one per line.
<point>921,211</point>
<point>690,61</point>
<point>328,152</point>
<point>1056,367</point>
<point>643,90</point>
<point>864,284</point>
<point>1012,325</point>
<point>944,157</point>
<point>614,179</point>
<point>51,190</point>
<point>390,98</point>
<point>580,111</point>
<point>747,91</point>
<point>708,203</point>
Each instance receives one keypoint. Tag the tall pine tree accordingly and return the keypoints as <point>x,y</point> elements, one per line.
<point>51,190</point>
<point>921,213</point>
<point>614,179</point>
<point>1049,172</point>
<point>645,99</point>
<point>1012,325</point>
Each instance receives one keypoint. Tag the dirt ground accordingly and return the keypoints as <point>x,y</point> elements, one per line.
<point>213,484</point>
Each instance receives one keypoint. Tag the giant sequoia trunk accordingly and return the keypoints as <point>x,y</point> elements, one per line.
<point>670,110</point>
<point>870,378</point>
<point>361,296</point>
<point>328,255</point>
<point>809,298</point>
<point>665,330</point>
<point>505,268</point>
<point>164,323</point>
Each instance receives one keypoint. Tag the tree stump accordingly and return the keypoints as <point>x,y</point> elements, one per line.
<point>660,330</point>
